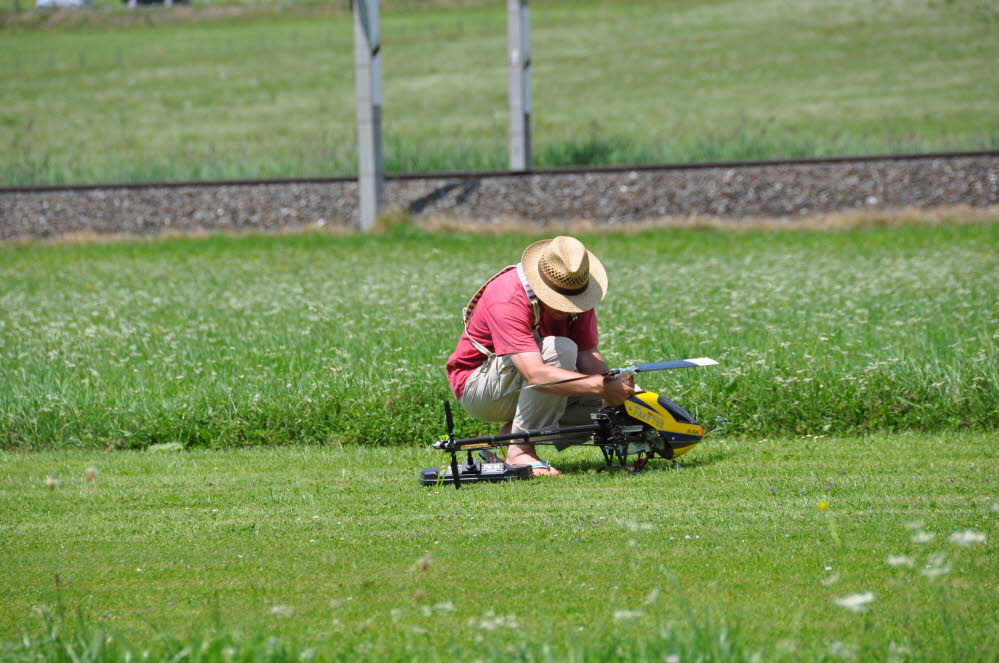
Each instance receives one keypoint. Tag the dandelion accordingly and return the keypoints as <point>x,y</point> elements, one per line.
<point>966,538</point>
<point>855,602</point>
<point>923,537</point>
<point>831,521</point>
<point>424,562</point>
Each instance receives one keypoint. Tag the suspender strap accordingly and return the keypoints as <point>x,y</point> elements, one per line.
<point>531,297</point>
<point>466,315</point>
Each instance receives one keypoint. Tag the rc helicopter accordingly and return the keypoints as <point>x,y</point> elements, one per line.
<point>629,435</point>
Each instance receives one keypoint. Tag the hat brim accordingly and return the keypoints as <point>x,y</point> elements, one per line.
<point>584,301</point>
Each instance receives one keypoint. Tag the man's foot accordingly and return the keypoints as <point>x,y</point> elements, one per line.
<point>538,466</point>
<point>524,454</point>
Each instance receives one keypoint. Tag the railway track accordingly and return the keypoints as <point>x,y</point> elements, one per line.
<point>786,189</point>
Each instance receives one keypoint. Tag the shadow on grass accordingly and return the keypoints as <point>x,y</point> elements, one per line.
<point>597,464</point>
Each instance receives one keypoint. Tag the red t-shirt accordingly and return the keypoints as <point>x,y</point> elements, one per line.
<point>503,323</point>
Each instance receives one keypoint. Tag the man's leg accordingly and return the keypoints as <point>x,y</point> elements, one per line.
<point>495,392</point>
<point>536,409</point>
<point>491,391</point>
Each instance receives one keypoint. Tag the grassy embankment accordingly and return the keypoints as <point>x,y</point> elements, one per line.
<point>156,95</point>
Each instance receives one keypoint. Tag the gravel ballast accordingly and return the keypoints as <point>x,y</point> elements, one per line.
<point>788,191</point>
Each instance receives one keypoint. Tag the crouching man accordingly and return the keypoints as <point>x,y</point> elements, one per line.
<point>531,324</point>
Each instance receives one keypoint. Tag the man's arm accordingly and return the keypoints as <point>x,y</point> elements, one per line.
<point>536,371</point>
<point>591,362</point>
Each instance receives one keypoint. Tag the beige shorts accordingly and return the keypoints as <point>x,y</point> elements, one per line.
<point>495,392</point>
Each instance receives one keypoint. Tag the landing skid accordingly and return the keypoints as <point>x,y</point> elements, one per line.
<point>474,471</point>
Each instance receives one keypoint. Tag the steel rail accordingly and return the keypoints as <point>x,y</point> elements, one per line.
<point>483,174</point>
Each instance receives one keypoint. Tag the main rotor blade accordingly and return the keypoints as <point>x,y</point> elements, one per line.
<point>641,368</point>
<point>667,365</point>
<point>548,384</point>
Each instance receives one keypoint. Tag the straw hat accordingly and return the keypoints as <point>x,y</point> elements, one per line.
<point>564,275</point>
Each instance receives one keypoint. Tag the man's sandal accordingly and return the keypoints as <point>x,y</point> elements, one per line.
<point>540,464</point>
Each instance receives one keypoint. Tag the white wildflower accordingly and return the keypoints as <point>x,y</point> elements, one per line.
<point>636,526</point>
<point>838,649</point>
<point>855,602</point>
<point>923,537</point>
<point>966,538</point>
<point>282,610</point>
<point>627,614</point>
<point>898,653</point>
<point>900,560</point>
<point>936,566</point>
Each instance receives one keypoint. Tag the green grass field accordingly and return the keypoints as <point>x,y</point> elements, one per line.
<point>201,93</point>
<point>253,413</point>
<point>337,553</point>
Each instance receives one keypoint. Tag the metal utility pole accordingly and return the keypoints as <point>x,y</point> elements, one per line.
<point>519,47</point>
<point>368,82</point>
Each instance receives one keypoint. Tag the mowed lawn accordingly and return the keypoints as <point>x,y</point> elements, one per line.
<point>204,92</point>
<point>879,547</point>
<point>252,414</point>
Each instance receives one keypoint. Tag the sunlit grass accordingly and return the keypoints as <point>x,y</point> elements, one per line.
<point>320,339</point>
<point>801,528</point>
<point>339,551</point>
<point>613,82</point>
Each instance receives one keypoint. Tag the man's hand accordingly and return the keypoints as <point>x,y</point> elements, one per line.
<point>616,391</point>
<point>535,371</point>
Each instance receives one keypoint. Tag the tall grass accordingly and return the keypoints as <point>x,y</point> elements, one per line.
<point>320,339</point>
<point>59,636</point>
